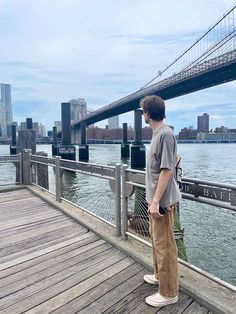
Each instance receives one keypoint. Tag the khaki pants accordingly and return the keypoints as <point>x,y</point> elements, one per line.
<point>165,259</point>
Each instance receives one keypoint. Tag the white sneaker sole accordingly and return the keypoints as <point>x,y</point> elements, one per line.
<point>150,281</point>
<point>160,304</point>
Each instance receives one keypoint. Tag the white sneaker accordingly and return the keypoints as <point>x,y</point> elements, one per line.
<point>151,279</point>
<point>158,300</point>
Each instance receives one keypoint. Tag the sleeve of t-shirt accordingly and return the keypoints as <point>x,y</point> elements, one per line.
<point>167,156</point>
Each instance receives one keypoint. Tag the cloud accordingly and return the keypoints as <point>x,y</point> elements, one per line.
<point>58,50</point>
<point>218,117</point>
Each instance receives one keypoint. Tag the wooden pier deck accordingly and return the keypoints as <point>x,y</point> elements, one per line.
<point>50,263</point>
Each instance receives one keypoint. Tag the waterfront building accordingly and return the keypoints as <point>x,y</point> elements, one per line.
<point>116,134</point>
<point>38,127</point>
<point>5,109</point>
<point>203,123</point>
<point>187,134</point>
<point>78,109</point>
<point>213,136</point>
<point>113,122</point>
<point>57,124</point>
<point>224,129</point>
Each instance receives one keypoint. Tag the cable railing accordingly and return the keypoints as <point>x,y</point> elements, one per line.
<point>204,219</point>
<point>91,187</point>
<point>10,170</point>
<point>203,227</point>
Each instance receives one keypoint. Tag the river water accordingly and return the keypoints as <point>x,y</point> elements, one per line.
<point>210,232</point>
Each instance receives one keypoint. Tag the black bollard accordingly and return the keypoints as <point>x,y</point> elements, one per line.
<point>13,140</point>
<point>66,150</point>
<point>125,145</point>
<point>83,147</point>
<point>55,144</point>
<point>138,152</point>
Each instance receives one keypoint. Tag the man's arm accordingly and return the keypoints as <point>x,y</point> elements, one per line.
<point>163,180</point>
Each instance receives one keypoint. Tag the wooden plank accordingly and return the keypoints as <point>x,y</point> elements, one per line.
<point>82,287</point>
<point>54,289</point>
<point>177,308</point>
<point>52,273</point>
<point>24,211</point>
<point>10,199</point>
<point>19,205</point>
<point>31,226</point>
<point>98,291</point>
<point>28,218</point>
<point>115,295</point>
<point>7,201</point>
<point>82,240</point>
<point>44,245</point>
<point>47,263</point>
<point>36,217</point>
<point>14,195</point>
<point>145,308</point>
<point>133,299</point>
<point>12,215</point>
<point>17,248</point>
<point>30,234</point>
<point>63,241</point>
<point>196,308</point>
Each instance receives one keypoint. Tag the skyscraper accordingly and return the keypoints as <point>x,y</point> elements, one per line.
<point>203,123</point>
<point>5,109</point>
<point>113,122</point>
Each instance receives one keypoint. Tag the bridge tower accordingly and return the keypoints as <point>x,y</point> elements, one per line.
<point>138,153</point>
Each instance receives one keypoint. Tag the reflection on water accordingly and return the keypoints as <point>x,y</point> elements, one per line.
<point>209,231</point>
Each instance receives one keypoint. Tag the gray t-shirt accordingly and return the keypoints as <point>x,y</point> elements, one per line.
<point>162,155</point>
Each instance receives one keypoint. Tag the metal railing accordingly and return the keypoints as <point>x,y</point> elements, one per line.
<point>204,223</point>
<point>93,188</point>
<point>10,169</point>
<point>204,219</point>
<point>42,172</point>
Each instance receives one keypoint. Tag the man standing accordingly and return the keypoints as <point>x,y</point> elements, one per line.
<point>162,194</point>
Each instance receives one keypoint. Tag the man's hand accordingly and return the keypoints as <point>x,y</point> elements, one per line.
<point>154,210</point>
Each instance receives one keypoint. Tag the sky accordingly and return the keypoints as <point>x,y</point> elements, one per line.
<point>55,50</point>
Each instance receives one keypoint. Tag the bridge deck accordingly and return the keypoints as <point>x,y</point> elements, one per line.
<point>50,263</point>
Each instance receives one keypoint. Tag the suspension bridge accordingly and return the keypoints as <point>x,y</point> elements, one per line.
<point>209,61</point>
<point>64,250</point>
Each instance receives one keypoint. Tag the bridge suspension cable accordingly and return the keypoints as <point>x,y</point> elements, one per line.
<point>224,31</point>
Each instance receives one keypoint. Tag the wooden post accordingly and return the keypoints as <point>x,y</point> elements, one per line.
<point>58,178</point>
<point>26,167</point>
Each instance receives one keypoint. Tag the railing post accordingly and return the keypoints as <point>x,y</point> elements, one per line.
<point>20,169</point>
<point>124,204</point>
<point>118,198</point>
<point>58,178</point>
<point>26,167</point>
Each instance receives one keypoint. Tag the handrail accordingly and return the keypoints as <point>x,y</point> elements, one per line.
<point>213,193</point>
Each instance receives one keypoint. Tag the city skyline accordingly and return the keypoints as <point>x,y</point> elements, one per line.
<point>82,57</point>
<point>5,109</point>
